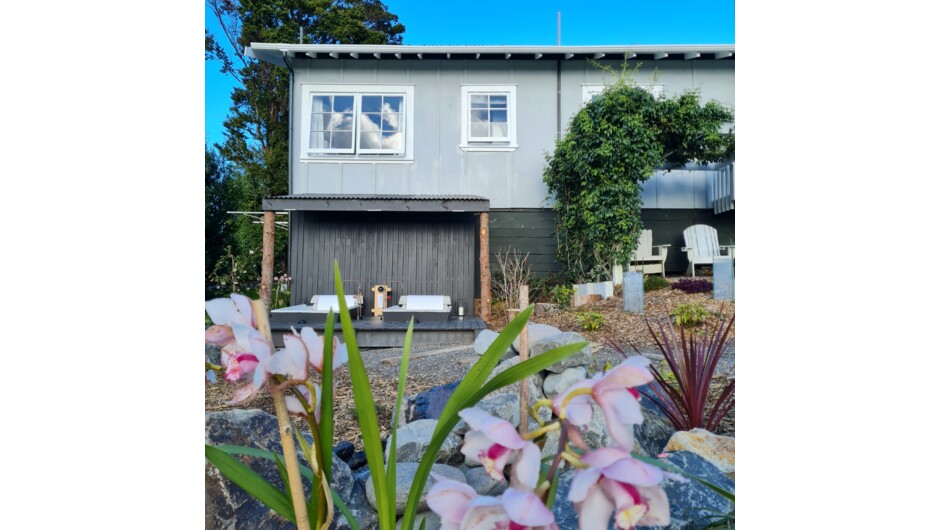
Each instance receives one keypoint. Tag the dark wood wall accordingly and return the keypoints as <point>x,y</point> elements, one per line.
<point>532,231</point>
<point>414,253</point>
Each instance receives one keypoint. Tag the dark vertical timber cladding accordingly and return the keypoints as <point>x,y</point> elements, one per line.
<point>532,231</point>
<point>667,226</point>
<point>415,253</point>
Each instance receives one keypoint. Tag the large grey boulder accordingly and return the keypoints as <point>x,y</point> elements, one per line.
<point>360,509</point>
<point>227,505</point>
<point>535,381</point>
<point>429,404</point>
<point>405,476</point>
<point>483,483</point>
<point>556,383</point>
<point>504,406</point>
<point>413,439</point>
<point>537,332</point>
<point>484,340</point>
<point>653,434</point>
<point>432,521</point>
<point>583,357</point>
<point>691,505</point>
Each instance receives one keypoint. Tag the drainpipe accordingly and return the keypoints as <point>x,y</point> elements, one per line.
<point>558,96</point>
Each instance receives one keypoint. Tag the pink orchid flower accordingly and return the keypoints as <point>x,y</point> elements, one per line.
<point>314,345</point>
<point>460,508</point>
<point>313,401</point>
<point>494,442</point>
<point>617,484</point>
<point>615,394</point>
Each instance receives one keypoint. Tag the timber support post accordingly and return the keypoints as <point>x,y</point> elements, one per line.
<point>267,259</point>
<point>485,296</point>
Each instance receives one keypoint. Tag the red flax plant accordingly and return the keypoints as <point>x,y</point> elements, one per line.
<point>692,361</point>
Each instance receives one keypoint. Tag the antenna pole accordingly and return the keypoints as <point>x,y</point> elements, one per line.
<point>559,28</point>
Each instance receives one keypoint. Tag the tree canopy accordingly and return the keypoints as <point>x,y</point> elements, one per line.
<point>614,144</point>
<point>256,131</point>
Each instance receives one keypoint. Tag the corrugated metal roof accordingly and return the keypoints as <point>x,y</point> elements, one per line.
<point>275,52</point>
<point>346,196</point>
<point>325,202</point>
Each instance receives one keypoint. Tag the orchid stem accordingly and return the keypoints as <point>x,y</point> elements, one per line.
<point>554,426</point>
<point>286,431</point>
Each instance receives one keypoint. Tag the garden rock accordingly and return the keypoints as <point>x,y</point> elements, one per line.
<point>566,517</point>
<point>581,358</point>
<point>719,450</point>
<point>537,332</point>
<point>213,353</point>
<point>483,483</point>
<point>691,504</point>
<point>341,478</point>
<point>535,381</point>
<point>433,521</point>
<point>483,341</point>
<point>344,450</point>
<point>360,509</point>
<point>227,505</point>
<point>505,406</point>
<point>357,460</point>
<point>595,432</point>
<point>362,475</point>
<point>429,404</point>
<point>412,442</point>
<point>557,383</point>
<point>653,434</point>
<point>405,475</point>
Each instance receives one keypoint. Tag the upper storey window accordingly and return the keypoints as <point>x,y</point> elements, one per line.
<point>357,121</point>
<point>488,117</point>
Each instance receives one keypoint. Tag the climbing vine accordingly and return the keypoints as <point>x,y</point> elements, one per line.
<point>614,144</point>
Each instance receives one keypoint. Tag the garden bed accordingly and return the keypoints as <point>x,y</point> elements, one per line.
<point>441,368</point>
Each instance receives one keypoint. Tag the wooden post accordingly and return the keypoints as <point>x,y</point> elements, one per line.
<point>485,296</point>
<point>267,259</point>
<point>523,356</point>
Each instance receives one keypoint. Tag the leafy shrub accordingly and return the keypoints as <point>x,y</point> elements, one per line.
<point>692,363</point>
<point>690,285</point>
<point>590,320</point>
<point>689,315</point>
<point>654,283</point>
<point>540,289</point>
<point>561,296</point>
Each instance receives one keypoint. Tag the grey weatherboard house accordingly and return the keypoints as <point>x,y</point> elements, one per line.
<point>398,152</point>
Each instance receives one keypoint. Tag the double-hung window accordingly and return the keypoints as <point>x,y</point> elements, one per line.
<point>591,92</point>
<point>488,117</point>
<point>367,122</point>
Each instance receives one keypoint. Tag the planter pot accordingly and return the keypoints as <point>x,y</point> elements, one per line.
<point>605,289</point>
<point>633,292</point>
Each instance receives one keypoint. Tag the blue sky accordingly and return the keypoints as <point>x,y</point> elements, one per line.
<point>528,22</point>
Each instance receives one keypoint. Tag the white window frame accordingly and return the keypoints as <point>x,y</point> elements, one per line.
<point>587,91</point>
<point>356,152</point>
<point>468,142</point>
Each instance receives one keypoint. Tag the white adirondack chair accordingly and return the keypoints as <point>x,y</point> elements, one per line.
<point>701,246</point>
<point>645,260</point>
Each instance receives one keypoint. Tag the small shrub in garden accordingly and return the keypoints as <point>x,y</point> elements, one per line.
<point>561,296</point>
<point>689,315</point>
<point>654,283</point>
<point>590,320</point>
<point>683,396</point>
<point>693,285</point>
